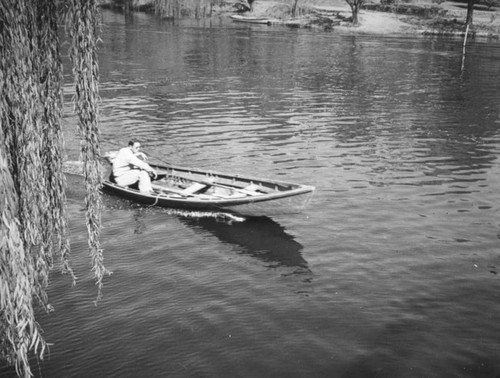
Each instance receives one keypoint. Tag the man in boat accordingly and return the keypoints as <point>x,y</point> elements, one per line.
<point>129,169</point>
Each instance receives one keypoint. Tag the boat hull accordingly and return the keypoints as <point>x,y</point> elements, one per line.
<point>228,194</point>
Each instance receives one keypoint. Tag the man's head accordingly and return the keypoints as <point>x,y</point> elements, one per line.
<point>134,146</point>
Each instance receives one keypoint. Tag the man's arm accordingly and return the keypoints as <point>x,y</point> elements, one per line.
<point>135,161</point>
<point>141,155</point>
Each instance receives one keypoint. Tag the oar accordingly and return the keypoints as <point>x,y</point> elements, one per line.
<point>161,174</point>
<point>210,182</point>
<point>183,194</point>
<point>171,190</point>
<point>241,190</point>
<point>205,181</point>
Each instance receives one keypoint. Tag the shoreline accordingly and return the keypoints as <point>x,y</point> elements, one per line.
<point>426,19</point>
<point>421,17</point>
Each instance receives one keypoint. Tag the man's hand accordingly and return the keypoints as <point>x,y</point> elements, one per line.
<point>141,155</point>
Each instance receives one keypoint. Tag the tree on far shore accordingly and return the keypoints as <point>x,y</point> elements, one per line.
<point>470,12</point>
<point>355,7</point>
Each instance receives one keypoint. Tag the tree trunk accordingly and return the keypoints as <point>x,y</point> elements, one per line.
<point>294,8</point>
<point>470,12</point>
<point>355,11</point>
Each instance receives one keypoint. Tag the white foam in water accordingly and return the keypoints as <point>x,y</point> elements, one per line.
<point>204,214</point>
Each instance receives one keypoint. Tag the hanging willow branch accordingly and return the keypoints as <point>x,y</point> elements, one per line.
<point>83,27</point>
<point>33,228</point>
<point>19,331</point>
<point>50,92</point>
<point>28,228</point>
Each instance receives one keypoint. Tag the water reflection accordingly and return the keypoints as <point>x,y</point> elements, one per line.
<point>215,94</point>
<point>259,237</point>
<point>404,153</point>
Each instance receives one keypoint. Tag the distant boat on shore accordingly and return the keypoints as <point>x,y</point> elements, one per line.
<point>254,20</point>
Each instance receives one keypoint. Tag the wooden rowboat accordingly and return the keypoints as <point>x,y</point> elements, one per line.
<point>196,189</point>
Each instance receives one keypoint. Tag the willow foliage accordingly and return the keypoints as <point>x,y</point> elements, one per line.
<point>83,27</point>
<point>33,222</point>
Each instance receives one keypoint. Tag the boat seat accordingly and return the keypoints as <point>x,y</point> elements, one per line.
<point>258,189</point>
<point>252,188</point>
<point>194,188</point>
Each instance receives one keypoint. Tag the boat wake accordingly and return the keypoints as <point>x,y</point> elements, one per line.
<point>219,215</point>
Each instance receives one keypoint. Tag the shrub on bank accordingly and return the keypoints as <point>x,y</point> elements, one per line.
<point>407,9</point>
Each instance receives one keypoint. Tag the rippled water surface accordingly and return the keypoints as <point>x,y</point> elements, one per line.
<point>390,272</point>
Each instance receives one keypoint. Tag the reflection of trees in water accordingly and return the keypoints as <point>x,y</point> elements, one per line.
<point>400,103</point>
<point>404,107</point>
<point>259,237</point>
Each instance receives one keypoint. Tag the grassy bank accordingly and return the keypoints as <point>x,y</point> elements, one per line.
<point>431,17</point>
<point>416,17</point>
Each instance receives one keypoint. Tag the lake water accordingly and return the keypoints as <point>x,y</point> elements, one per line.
<point>392,269</point>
